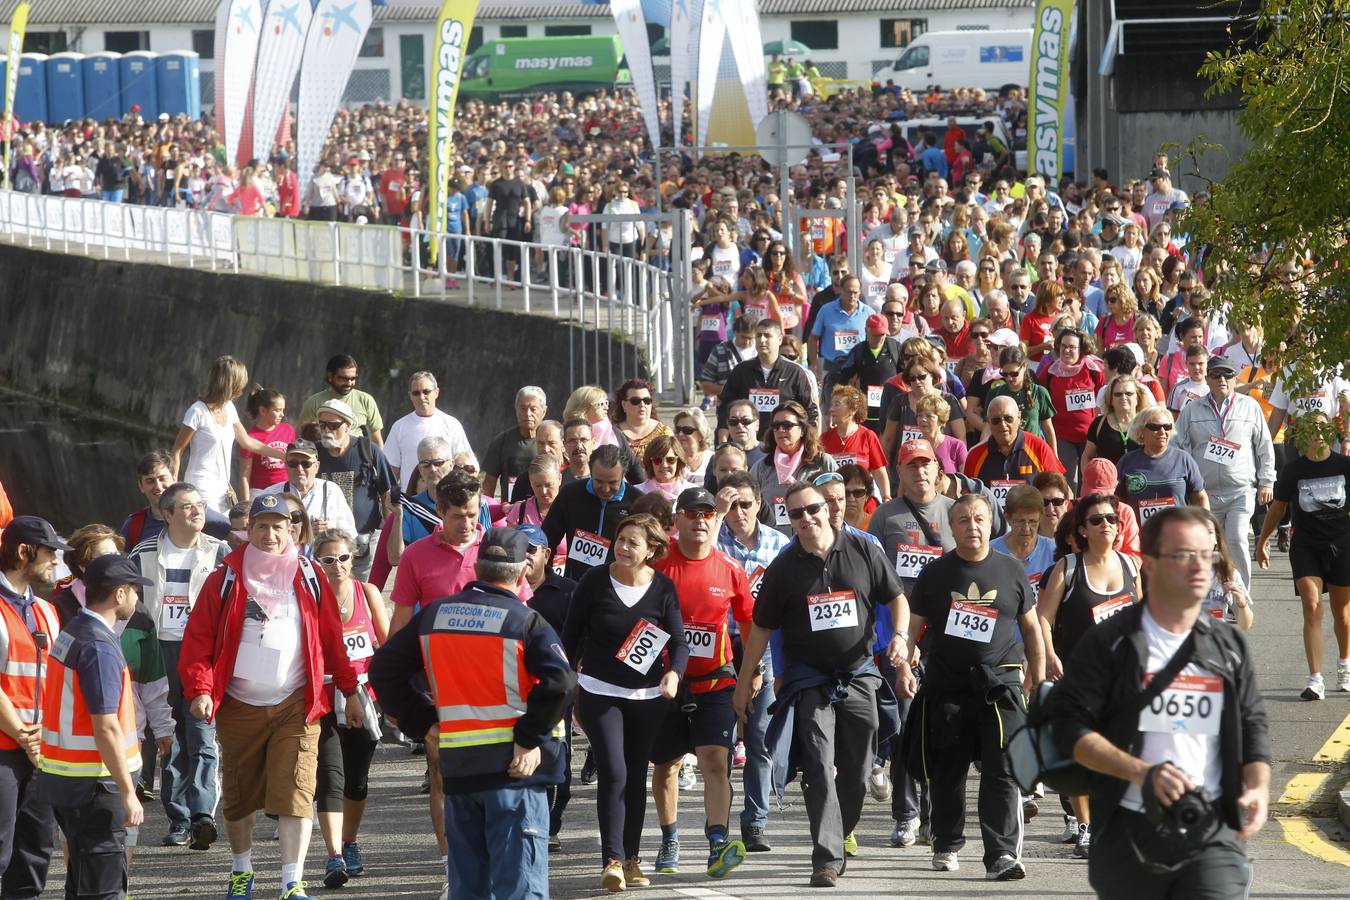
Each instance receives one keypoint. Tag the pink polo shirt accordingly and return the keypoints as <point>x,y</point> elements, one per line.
<point>431,569</point>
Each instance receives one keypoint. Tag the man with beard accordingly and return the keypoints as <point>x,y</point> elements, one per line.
<point>341,377</point>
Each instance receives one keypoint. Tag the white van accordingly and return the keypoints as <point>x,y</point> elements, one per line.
<point>964,59</point>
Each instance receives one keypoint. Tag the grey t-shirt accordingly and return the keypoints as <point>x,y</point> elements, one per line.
<point>905,541</point>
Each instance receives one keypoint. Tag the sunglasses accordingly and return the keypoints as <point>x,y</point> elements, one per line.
<point>809,509</point>
<point>1054,501</point>
<point>856,493</point>
<point>1009,374</point>
<point>743,505</point>
<point>687,430</point>
<point>1222,375</point>
<point>699,515</point>
<point>471,470</point>
<point>300,463</point>
<point>639,401</point>
<point>1159,426</point>
<point>297,518</point>
<point>432,463</point>
<point>736,420</point>
<point>1099,518</point>
<point>668,460</point>
<point>334,560</point>
<point>330,425</point>
<point>979,335</point>
<point>1003,420</point>
<point>786,426</point>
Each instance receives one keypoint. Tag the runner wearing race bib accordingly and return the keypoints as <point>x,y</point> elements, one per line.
<point>1158,475</point>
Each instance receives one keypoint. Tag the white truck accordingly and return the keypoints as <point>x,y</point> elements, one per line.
<point>964,59</point>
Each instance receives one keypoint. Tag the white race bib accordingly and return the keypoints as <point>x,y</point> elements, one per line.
<point>1149,508</point>
<point>1074,401</point>
<point>1314,402</point>
<point>874,395</point>
<point>1001,488</point>
<point>970,622</point>
<point>844,459</point>
<point>756,578</point>
<point>358,644</point>
<point>702,640</point>
<point>1108,608</point>
<point>559,564</point>
<point>827,612</point>
<point>910,434</point>
<point>173,614</point>
<point>756,311</point>
<point>1192,704</point>
<point>910,559</point>
<point>845,341</point>
<point>1220,451</point>
<point>709,323</point>
<point>764,399</point>
<point>643,644</point>
<point>780,512</point>
<point>588,549</point>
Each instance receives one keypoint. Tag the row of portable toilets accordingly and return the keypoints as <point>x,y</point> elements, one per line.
<point>71,86</point>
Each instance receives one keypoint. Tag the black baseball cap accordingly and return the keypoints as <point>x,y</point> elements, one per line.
<point>110,571</point>
<point>33,530</point>
<point>504,544</point>
<point>1218,364</point>
<point>694,497</point>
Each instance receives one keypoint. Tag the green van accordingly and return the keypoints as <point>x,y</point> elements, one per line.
<point>514,67</point>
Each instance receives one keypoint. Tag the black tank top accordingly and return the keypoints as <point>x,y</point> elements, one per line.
<point>1083,606</point>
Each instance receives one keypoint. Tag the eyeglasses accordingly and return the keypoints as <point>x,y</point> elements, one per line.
<point>1054,501</point>
<point>809,509</point>
<point>777,253</point>
<point>330,425</point>
<point>301,463</point>
<point>856,493</point>
<point>699,515</point>
<point>743,505</point>
<point>1003,420</point>
<point>1098,518</point>
<point>1224,376</point>
<point>466,468</point>
<point>639,401</point>
<point>686,430</point>
<point>1186,557</point>
<point>893,313</point>
<point>1010,374</point>
<point>918,376</point>
<point>979,335</point>
<point>786,426</point>
<point>742,422</point>
<point>1159,426</point>
<point>334,560</point>
<point>432,463</point>
<point>600,404</point>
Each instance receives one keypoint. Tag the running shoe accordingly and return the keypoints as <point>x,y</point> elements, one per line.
<point>926,833</point>
<point>177,837</point>
<point>1070,833</point>
<point>632,873</point>
<point>668,857</point>
<point>1005,868</point>
<point>946,862</point>
<point>738,755</point>
<point>554,844</point>
<point>1342,677</point>
<point>688,776</point>
<point>335,872</point>
<point>241,885</point>
<point>879,784</point>
<point>295,890</point>
<point>1315,689</point>
<point>752,836</point>
<point>588,773</point>
<point>351,858</point>
<point>824,877</point>
<point>1082,846</point>
<point>851,845</point>
<point>1029,809</point>
<point>724,857</point>
<point>1282,539</point>
<point>204,833</point>
<point>611,879</point>
<point>903,833</point>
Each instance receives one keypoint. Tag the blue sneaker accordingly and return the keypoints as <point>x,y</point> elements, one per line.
<point>668,858</point>
<point>351,857</point>
<point>724,857</point>
<point>335,873</point>
<point>241,885</point>
<point>294,891</point>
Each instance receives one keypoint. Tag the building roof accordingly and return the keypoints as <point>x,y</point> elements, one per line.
<point>66,13</point>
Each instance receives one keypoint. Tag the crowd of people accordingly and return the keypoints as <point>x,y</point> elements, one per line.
<point>910,494</point>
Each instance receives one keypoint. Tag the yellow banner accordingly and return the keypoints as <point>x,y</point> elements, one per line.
<point>17,27</point>
<point>453,26</point>
<point>1048,88</point>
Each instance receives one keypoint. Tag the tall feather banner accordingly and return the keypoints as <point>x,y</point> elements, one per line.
<point>335,37</point>
<point>632,26</point>
<point>279,54</point>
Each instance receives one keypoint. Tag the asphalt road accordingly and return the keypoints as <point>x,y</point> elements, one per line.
<point>401,858</point>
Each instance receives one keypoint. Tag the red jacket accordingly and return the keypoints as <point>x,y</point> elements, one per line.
<point>211,639</point>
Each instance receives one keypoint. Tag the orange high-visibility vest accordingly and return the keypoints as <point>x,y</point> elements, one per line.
<point>478,682</point>
<point>21,657</point>
<point>68,744</point>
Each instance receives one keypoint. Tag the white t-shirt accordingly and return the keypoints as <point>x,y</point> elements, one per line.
<point>324,501</point>
<point>727,263</point>
<point>175,600</point>
<point>1324,399</point>
<point>270,665</point>
<point>400,448</point>
<point>550,226</point>
<point>874,287</point>
<point>900,264</point>
<point>1195,754</point>
<point>208,468</point>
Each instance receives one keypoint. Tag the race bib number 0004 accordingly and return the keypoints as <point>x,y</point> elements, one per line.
<point>588,549</point>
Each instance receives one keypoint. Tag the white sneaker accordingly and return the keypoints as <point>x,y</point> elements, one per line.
<point>1342,677</point>
<point>1082,846</point>
<point>1315,689</point>
<point>688,779</point>
<point>1070,834</point>
<point>946,862</point>
<point>880,785</point>
<point>903,833</point>
<point>1005,868</point>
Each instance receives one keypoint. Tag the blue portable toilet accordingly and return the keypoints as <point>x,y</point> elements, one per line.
<point>30,96</point>
<point>65,87</point>
<point>139,85</point>
<point>180,86</point>
<point>102,85</point>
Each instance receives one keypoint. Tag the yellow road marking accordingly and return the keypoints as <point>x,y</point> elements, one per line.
<point>1337,747</point>
<point>1304,787</point>
<point>1301,833</point>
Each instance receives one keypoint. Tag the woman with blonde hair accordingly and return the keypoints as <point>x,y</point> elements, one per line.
<point>1147,286</point>
<point>665,465</point>
<point>695,440</point>
<point>590,402</point>
<point>210,430</point>
<point>1109,434</point>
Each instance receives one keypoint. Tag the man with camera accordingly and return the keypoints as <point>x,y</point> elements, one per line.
<point>1160,702</point>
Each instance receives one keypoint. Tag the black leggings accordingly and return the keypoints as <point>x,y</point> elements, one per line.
<point>345,755</point>
<point>621,733</point>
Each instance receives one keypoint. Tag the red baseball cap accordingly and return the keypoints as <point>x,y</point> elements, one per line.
<point>916,448</point>
<point>876,324</point>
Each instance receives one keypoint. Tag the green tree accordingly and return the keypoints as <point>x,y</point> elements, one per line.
<point>1275,227</point>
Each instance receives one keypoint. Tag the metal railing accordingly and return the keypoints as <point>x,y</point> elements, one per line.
<point>627,317</point>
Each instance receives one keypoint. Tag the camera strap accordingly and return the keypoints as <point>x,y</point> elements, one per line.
<point>1160,682</point>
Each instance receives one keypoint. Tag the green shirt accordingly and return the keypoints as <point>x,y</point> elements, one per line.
<point>777,71</point>
<point>367,414</point>
<point>1033,400</point>
<point>795,69</point>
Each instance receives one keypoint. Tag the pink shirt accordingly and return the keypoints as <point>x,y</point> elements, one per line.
<point>431,569</point>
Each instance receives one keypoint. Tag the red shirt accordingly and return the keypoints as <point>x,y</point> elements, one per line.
<point>267,471</point>
<point>391,191</point>
<point>708,589</point>
<point>1075,399</point>
<point>958,345</point>
<point>1036,330</point>
<point>862,447</point>
<point>431,569</point>
<point>288,196</point>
